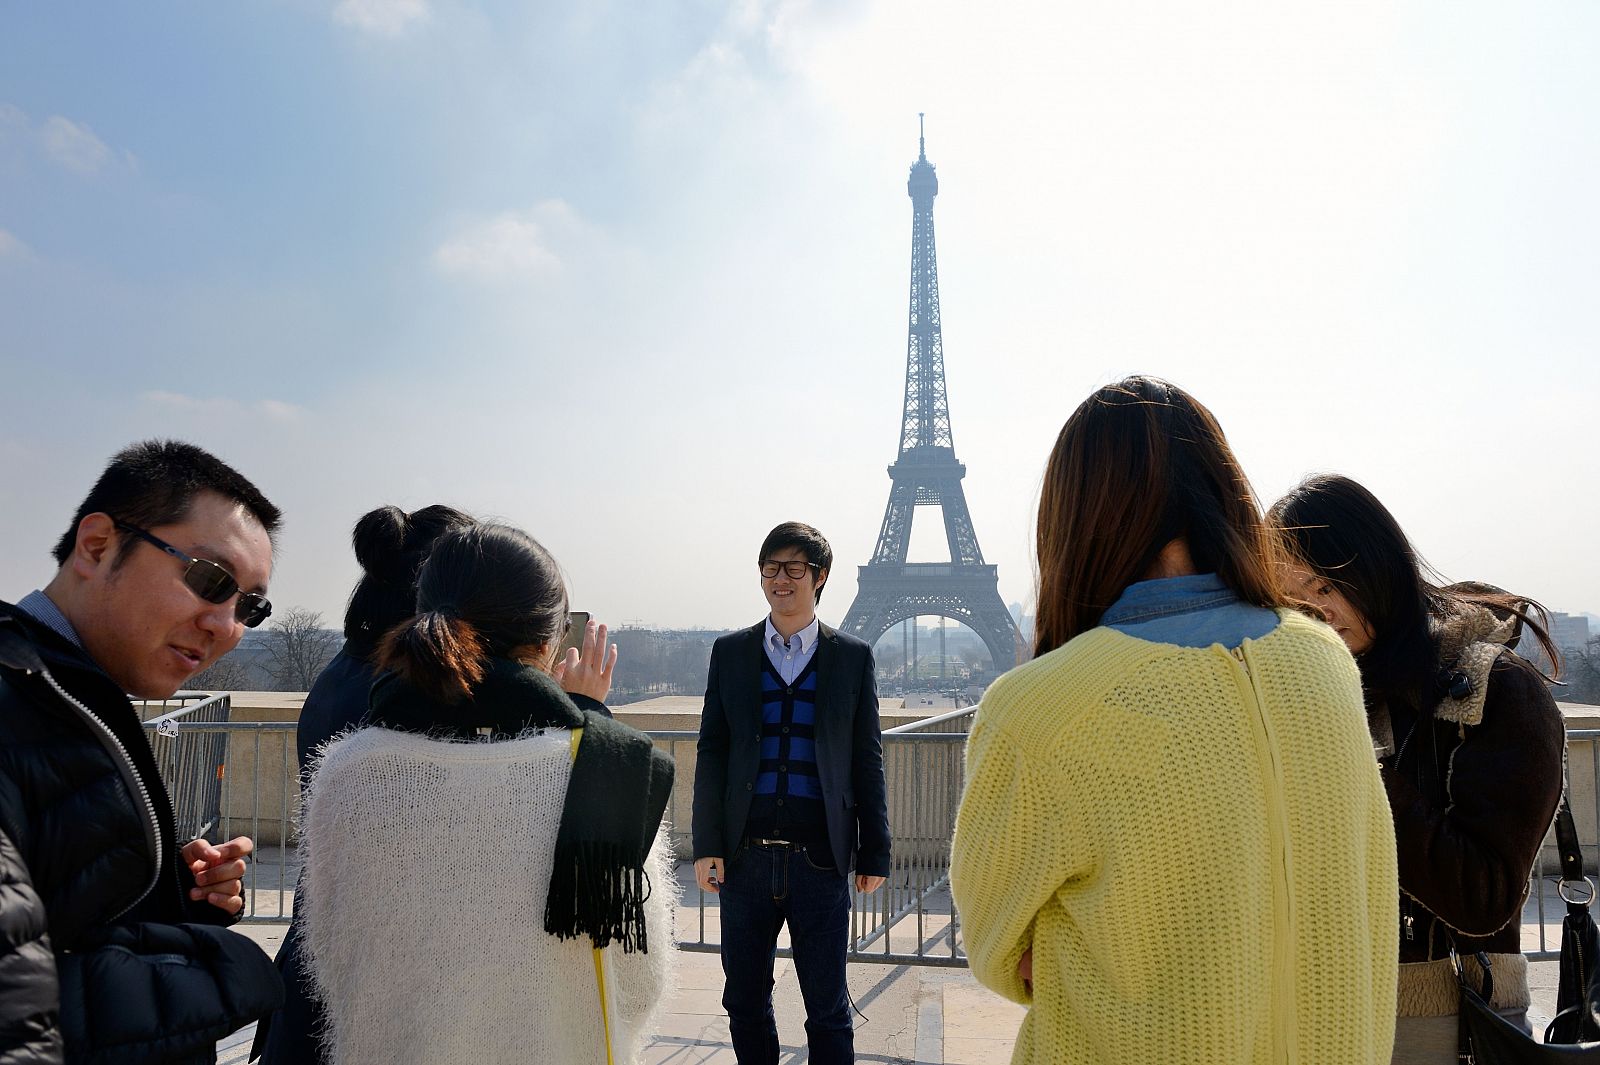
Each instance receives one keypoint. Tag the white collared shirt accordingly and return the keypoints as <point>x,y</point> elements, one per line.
<point>790,656</point>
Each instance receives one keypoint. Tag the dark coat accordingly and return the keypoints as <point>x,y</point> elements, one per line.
<point>103,956</point>
<point>337,700</point>
<point>849,744</point>
<point>1473,786</point>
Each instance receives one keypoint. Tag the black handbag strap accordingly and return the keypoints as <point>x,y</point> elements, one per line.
<point>1567,842</point>
<point>1571,855</point>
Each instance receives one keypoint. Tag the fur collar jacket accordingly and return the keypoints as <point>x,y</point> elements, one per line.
<point>1473,783</point>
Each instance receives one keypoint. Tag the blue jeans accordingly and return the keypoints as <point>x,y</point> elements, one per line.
<point>767,886</point>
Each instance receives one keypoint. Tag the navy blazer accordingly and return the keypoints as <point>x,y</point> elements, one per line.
<point>849,749</point>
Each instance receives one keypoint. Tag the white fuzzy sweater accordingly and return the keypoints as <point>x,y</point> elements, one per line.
<point>426,869</point>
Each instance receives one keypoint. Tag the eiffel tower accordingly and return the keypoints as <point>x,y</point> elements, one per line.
<point>926,473</point>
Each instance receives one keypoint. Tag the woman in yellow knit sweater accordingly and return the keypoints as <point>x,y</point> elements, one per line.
<point>1174,845</point>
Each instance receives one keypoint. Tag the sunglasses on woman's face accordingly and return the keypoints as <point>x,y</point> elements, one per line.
<point>209,581</point>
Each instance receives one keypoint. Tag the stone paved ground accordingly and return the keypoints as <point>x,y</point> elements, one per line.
<point>926,1015</point>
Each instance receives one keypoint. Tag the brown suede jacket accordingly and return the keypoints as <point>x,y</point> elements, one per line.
<point>1473,783</point>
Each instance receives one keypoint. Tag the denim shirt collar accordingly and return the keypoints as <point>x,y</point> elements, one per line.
<point>1167,597</point>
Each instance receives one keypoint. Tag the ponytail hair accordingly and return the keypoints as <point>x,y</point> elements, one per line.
<point>391,545</point>
<point>484,592</point>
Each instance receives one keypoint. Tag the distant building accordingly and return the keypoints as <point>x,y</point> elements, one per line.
<point>1569,632</point>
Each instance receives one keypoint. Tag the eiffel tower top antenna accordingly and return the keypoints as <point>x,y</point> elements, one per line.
<point>922,151</point>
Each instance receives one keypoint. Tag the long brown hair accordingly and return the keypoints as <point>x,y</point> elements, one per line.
<point>1139,464</point>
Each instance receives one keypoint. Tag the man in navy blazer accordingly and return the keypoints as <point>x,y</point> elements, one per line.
<point>789,798</point>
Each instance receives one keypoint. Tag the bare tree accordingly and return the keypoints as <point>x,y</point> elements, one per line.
<point>1581,666</point>
<point>299,648</point>
<point>226,674</point>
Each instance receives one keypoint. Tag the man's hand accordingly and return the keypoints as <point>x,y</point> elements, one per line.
<point>710,873</point>
<point>588,671</point>
<point>219,871</point>
<point>868,884</point>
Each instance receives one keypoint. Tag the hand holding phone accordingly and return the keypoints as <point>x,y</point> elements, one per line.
<point>572,639</point>
<point>584,666</point>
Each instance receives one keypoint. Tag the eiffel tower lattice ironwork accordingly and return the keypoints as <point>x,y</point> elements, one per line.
<point>926,473</point>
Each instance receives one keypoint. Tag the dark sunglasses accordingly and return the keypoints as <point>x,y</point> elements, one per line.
<point>794,568</point>
<point>209,581</point>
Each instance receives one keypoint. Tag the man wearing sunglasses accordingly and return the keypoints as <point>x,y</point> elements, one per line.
<point>789,798</point>
<point>113,941</point>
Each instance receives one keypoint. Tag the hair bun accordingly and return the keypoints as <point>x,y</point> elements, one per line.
<point>380,543</point>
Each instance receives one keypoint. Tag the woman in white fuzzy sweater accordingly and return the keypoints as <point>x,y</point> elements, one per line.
<point>485,879</point>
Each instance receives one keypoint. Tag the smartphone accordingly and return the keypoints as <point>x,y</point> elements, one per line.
<point>577,623</point>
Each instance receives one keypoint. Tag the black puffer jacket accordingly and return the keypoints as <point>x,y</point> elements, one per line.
<point>103,957</point>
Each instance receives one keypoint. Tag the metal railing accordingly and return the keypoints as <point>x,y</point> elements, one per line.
<point>230,778</point>
<point>910,920</point>
<point>1544,908</point>
<point>192,763</point>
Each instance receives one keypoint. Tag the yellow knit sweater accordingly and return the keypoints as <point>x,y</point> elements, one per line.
<point>1195,844</point>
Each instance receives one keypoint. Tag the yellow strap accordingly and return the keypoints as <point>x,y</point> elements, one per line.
<point>605,1012</point>
<point>599,956</point>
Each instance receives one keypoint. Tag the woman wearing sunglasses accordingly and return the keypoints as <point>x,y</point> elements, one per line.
<point>1469,740</point>
<point>485,879</point>
<point>1173,844</point>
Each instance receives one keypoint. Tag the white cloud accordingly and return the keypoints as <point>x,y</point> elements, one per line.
<point>11,246</point>
<point>181,403</point>
<point>386,18</point>
<point>511,244</point>
<point>279,411</point>
<point>72,145</point>
<point>66,143</point>
<point>12,117</point>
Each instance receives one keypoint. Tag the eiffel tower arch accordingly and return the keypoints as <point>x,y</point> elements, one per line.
<point>926,473</point>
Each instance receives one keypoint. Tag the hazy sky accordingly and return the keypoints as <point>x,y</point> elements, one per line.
<point>634,275</point>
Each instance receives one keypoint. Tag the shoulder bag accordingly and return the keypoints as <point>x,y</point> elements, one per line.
<point>1574,1034</point>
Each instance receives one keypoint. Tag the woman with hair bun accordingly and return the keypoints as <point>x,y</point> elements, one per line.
<point>1470,743</point>
<point>390,545</point>
<point>486,879</point>
<point>1173,845</point>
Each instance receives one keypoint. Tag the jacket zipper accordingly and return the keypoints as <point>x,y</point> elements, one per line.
<point>130,772</point>
<point>1283,917</point>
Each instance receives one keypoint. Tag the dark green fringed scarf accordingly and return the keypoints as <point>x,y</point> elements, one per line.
<point>619,790</point>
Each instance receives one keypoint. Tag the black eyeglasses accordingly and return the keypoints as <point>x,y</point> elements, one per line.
<point>209,581</point>
<point>794,568</point>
